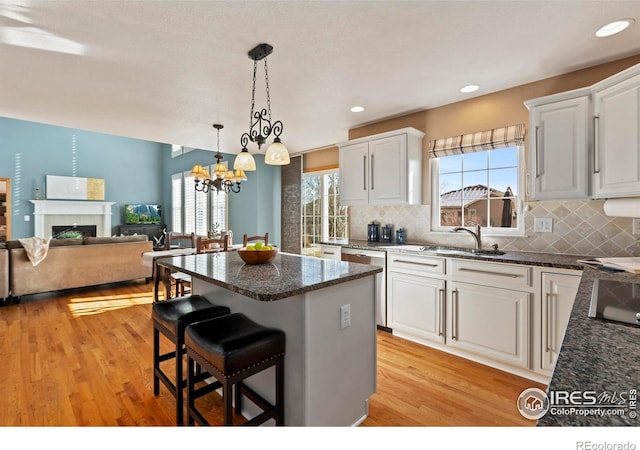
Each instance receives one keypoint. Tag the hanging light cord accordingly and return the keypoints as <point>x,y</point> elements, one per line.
<point>253,93</point>
<point>266,81</point>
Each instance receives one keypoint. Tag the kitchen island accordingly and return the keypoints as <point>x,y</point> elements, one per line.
<point>326,309</point>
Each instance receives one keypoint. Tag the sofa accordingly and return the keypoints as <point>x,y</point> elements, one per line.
<point>74,263</point>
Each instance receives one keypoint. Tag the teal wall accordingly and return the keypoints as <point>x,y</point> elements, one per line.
<point>135,171</point>
<point>256,208</point>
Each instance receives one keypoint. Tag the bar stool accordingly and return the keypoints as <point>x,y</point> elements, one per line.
<point>230,349</point>
<point>178,279</point>
<point>170,318</point>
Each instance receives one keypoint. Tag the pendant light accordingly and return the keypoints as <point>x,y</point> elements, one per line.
<point>260,122</point>
<point>223,179</point>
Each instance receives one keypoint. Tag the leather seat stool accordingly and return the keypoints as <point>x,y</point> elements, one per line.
<point>171,318</point>
<point>232,348</point>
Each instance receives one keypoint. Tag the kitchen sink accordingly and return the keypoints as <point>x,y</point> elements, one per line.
<point>460,251</point>
<point>442,250</point>
<point>404,247</point>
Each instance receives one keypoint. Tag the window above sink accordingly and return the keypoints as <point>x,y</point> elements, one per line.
<point>479,177</point>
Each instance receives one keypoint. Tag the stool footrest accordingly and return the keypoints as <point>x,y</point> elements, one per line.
<point>253,396</point>
<point>166,381</point>
<point>204,390</point>
<point>166,356</point>
<point>269,411</point>
<point>262,417</point>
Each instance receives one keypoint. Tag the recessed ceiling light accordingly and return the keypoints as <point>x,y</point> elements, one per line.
<point>470,88</point>
<point>357,109</point>
<point>614,27</point>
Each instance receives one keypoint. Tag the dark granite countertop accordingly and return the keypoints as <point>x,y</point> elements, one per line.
<point>511,257</point>
<point>287,275</point>
<point>597,356</point>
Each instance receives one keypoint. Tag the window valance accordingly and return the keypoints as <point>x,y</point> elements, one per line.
<point>478,141</point>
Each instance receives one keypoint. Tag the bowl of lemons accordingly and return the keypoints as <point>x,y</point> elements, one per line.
<point>258,253</point>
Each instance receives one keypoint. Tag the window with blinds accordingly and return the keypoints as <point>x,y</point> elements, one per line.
<point>194,211</point>
<point>478,178</point>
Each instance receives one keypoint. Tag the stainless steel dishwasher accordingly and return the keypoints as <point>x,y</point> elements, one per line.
<point>373,258</point>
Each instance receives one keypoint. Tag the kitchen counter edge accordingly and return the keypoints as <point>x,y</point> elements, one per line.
<point>554,260</point>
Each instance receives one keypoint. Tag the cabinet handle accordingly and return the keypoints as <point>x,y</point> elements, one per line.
<point>364,172</point>
<point>415,262</point>
<point>454,313</point>
<point>547,337</point>
<point>596,169</point>
<point>440,319</point>
<point>328,253</point>
<point>489,272</point>
<point>539,162</point>
<point>372,187</point>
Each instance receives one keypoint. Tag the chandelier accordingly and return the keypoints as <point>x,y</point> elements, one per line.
<point>260,123</point>
<point>224,179</point>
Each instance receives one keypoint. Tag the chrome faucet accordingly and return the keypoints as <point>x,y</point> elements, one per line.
<point>477,236</point>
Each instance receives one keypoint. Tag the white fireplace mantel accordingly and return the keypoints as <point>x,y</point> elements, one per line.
<point>46,211</point>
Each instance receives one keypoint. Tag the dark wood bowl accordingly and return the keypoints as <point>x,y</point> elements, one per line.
<point>257,256</point>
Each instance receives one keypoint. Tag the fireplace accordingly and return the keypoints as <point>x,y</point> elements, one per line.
<point>65,231</point>
<point>50,213</point>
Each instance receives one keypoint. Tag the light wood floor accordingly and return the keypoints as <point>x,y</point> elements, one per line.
<point>83,358</point>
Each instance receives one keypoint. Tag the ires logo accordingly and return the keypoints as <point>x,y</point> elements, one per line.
<point>534,403</point>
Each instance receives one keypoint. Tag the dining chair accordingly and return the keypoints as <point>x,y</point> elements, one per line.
<point>180,280</point>
<point>181,240</point>
<point>246,239</point>
<point>203,244</point>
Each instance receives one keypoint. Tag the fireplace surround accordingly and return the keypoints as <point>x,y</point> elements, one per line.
<point>49,213</point>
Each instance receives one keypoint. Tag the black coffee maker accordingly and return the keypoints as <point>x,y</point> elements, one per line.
<point>373,232</point>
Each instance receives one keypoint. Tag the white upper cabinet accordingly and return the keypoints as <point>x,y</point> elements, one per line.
<point>354,167</point>
<point>586,143</point>
<point>558,146</point>
<point>616,109</point>
<point>383,169</point>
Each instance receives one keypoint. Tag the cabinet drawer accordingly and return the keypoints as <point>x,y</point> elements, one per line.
<point>407,263</point>
<point>330,252</point>
<point>494,274</point>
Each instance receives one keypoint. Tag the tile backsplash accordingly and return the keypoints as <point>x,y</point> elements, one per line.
<point>580,227</point>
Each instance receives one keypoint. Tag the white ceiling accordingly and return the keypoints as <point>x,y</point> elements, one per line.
<point>165,71</point>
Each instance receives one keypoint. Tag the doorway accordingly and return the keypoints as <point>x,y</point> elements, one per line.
<point>5,209</point>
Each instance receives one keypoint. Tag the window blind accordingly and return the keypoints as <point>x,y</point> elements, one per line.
<point>474,142</point>
<point>189,204</point>
<point>176,202</point>
<point>194,211</point>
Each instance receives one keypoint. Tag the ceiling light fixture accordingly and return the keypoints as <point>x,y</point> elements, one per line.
<point>469,88</point>
<point>614,27</point>
<point>224,178</point>
<point>356,109</point>
<point>260,125</point>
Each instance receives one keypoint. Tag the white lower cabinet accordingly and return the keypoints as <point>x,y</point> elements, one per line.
<point>490,322</point>
<point>508,316</point>
<point>416,305</point>
<point>558,294</point>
